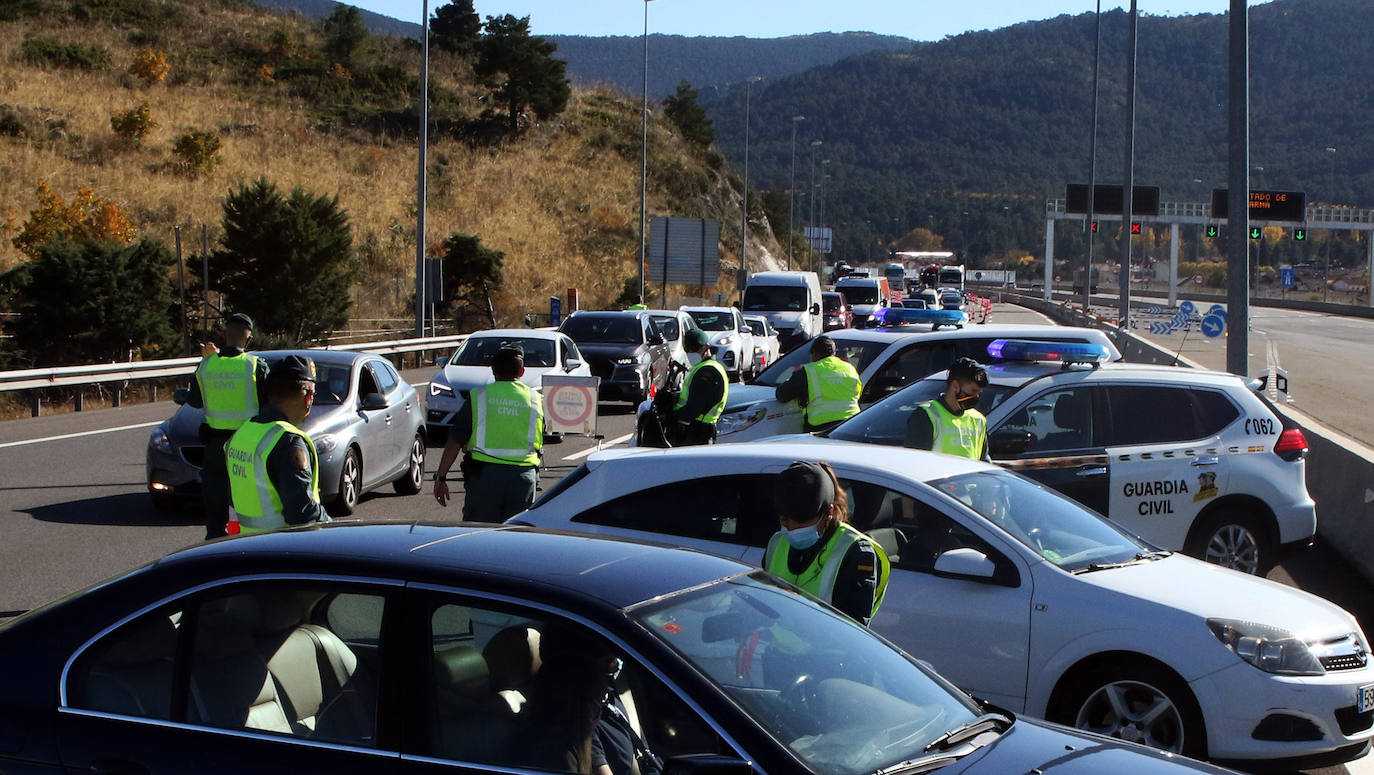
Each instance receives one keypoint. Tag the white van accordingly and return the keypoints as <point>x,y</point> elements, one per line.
<point>864,295</point>
<point>790,300</point>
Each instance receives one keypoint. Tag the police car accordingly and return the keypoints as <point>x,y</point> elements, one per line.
<point>1186,459</point>
<point>1024,598</point>
<point>887,359</point>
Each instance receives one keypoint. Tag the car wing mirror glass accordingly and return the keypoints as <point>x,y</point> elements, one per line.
<point>573,364</point>
<point>815,309</point>
<point>655,339</point>
<point>1009,442</point>
<point>965,562</point>
<point>374,401</point>
<point>441,361</point>
<point>180,396</point>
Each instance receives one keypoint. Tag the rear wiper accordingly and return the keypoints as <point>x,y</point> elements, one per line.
<point>1109,565</point>
<point>972,729</point>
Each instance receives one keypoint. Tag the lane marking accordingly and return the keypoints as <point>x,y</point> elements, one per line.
<point>604,445</point>
<point>75,435</point>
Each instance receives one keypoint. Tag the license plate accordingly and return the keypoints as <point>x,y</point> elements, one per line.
<point>1364,698</point>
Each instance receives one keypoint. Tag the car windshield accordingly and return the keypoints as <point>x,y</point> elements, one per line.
<point>331,383</point>
<point>831,302</point>
<point>713,321</point>
<point>668,326</point>
<point>603,328</point>
<point>775,298</point>
<point>478,350</point>
<point>844,701</point>
<point>1057,528</point>
<point>885,422</point>
<point>757,328</point>
<point>858,354</point>
<point>859,294</point>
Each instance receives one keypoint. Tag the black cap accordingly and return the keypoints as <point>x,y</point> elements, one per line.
<point>241,319</point>
<point>695,339</point>
<point>293,367</point>
<point>509,358</point>
<point>802,490</point>
<point>968,368</point>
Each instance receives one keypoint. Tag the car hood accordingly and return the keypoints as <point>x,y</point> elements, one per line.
<point>184,425</point>
<point>1038,746</point>
<point>611,350</point>
<point>788,320</point>
<point>1205,590</point>
<point>741,396</point>
<point>469,377</point>
<point>715,337</point>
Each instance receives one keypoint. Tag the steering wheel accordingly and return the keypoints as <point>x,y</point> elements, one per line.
<point>800,702</point>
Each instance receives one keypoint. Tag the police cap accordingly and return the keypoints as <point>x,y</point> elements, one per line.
<point>802,490</point>
<point>968,368</point>
<point>240,319</point>
<point>694,339</point>
<point>293,367</point>
<point>508,358</point>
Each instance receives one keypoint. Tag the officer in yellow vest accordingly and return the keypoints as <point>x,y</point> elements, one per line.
<point>818,550</point>
<point>950,423</point>
<point>230,385</point>
<point>502,428</point>
<point>828,388</point>
<point>703,395</point>
<point>274,472</point>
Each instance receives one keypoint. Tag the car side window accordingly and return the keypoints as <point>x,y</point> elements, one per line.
<point>1215,411</point>
<point>1057,420</point>
<point>527,689</point>
<point>298,659</point>
<point>367,382</point>
<point>570,350</point>
<point>386,378</point>
<point>1151,414</point>
<point>911,532</point>
<point>910,365</point>
<point>734,509</point>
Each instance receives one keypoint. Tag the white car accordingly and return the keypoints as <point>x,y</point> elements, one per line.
<point>546,352</point>
<point>732,341</point>
<point>672,324</point>
<point>887,360</point>
<point>1026,599</point>
<point>1184,458</point>
<point>766,346</point>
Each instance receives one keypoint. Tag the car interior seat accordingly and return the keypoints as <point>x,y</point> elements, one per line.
<point>132,674</point>
<point>1070,417</point>
<point>230,685</point>
<point>480,703</point>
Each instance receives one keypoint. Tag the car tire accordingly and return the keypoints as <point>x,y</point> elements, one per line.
<point>413,479</point>
<point>1160,710</point>
<point>350,485</point>
<point>1231,538</point>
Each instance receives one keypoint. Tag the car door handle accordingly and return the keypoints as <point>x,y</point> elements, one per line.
<point>1210,460</point>
<point>1091,472</point>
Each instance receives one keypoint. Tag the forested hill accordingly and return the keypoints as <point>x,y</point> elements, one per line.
<point>1008,111</point>
<point>707,61</point>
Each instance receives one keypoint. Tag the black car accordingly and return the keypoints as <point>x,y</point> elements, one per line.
<point>408,648</point>
<point>625,349</point>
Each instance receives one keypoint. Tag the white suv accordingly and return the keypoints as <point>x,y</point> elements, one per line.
<point>732,341</point>
<point>1186,459</point>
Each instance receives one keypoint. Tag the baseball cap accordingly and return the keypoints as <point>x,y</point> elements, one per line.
<point>242,320</point>
<point>293,367</point>
<point>694,339</point>
<point>802,490</point>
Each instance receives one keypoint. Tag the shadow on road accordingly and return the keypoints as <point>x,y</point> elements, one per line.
<point>132,509</point>
<point>1323,572</point>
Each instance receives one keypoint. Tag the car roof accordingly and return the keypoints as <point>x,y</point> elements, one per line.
<point>1017,373</point>
<point>606,313</point>
<point>918,464</point>
<point>330,357</point>
<point>993,330</point>
<point>707,309</point>
<point>521,333</point>
<point>544,564</point>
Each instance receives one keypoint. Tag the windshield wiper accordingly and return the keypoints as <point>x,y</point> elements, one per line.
<point>1143,556</point>
<point>972,729</point>
<point>922,764</point>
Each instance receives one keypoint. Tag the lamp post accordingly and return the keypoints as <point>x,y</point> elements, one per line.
<point>644,154</point>
<point>1326,269</point>
<point>420,182</point>
<point>811,198</point>
<point>792,191</point>
<point>744,215</point>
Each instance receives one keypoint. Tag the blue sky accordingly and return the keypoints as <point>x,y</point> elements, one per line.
<point>916,19</point>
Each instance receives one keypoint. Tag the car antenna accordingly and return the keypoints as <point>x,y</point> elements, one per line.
<point>1187,329</point>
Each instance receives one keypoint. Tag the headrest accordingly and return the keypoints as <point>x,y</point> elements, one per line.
<point>512,656</point>
<point>1068,413</point>
<point>150,640</point>
<point>227,625</point>
<point>281,612</point>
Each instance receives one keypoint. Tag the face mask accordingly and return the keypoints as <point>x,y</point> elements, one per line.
<point>966,402</point>
<point>693,358</point>
<point>803,537</point>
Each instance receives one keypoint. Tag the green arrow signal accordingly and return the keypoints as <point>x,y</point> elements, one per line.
<point>1300,234</point>
<point>1255,233</point>
<point>1212,231</point>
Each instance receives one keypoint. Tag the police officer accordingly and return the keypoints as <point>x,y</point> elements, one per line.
<point>274,472</point>
<point>818,550</point>
<point>230,385</point>
<point>703,393</point>
<point>502,428</point>
<point>828,387</point>
<point>950,423</point>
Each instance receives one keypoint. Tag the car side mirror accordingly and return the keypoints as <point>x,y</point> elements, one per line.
<point>573,365</point>
<point>441,361</point>
<point>1009,442</point>
<point>655,339</point>
<point>965,562</point>
<point>180,396</point>
<point>374,401</point>
<point>815,309</point>
<point>735,304</point>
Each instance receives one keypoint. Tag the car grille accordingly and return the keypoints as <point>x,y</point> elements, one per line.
<point>601,368</point>
<point>1344,662</point>
<point>1346,653</point>
<point>1353,723</point>
<point>194,454</point>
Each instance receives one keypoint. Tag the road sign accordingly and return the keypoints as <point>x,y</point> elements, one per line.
<point>1154,310</point>
<point>684,251</point>
<point>1286,275</point>
<point>1213,325</point>
<point>1299,234</point>
<point>1217,309</point>
<point>1256,232</point>
<point>1110,200</point>
<point>555,311</point>
<point>1265,205</point>
<point>1135,228</point>
<point>1187,308</point>
<point>1212,230</point>
<point>1160,328</point>
<point>570,404</point>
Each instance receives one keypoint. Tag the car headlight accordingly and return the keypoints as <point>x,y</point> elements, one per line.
<point>1271,649</point>
<point>159,441</point>
<point>326,443</point>
<point>625,361</point>
<point>726,341</point>
<point>734,422</point>
<point>440,389</point>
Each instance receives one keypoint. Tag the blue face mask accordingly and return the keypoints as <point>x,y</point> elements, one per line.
<point>803,537</point>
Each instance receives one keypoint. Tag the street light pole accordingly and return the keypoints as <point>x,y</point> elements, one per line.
<point>811,200</point>
<point>744,215</point>
<point>1326,270</point>
<point>792,191</point>
<point>420,181</point>
<point>644,154</point>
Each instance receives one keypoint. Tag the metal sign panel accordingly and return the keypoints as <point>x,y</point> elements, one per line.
<point>820,238</point>
<point>570,404</point>
<point>1110,200</point>
<point>685,251</point>
<point>1265,205</point>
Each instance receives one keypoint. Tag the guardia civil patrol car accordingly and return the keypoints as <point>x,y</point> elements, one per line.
<point>1186,459</point>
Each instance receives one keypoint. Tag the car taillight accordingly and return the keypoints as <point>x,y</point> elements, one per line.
<point>1292,444</point>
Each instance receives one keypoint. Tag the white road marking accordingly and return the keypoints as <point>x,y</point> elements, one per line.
<point>75,435</point>
<point>604,444</point>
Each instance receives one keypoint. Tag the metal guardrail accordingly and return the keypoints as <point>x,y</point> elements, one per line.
<point>65,376</point>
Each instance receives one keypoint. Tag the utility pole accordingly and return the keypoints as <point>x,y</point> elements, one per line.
<point>1238,204</point>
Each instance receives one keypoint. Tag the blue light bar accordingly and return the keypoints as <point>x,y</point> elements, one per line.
<point>896,316</point>
<point>1059,352</point>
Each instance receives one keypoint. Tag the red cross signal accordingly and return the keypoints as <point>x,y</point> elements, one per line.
<point>1135,228</point>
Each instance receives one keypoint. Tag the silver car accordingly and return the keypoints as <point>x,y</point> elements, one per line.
<point>367,425</point>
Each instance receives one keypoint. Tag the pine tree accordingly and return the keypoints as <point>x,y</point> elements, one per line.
<point>472,272</point>
<point>344,32</point>
<point>285,260</point>
<point>456,27</point>
<point>689,117</point>
<point>521,70</point>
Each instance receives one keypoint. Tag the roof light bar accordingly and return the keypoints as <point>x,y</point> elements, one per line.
<point>1058,352</point>
<point>896,316</point>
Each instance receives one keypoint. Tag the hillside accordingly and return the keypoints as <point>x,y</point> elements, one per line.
<point>561,198</point>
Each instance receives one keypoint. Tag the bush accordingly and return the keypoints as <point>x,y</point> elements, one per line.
<point>132,13</point>
<point>42,51</point>
<point>87,218</point>
<point>133,124</point>
<point>198,152</point>
<point>150,66</point>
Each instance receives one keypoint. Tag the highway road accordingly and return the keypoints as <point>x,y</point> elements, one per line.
<point>74,508</point>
